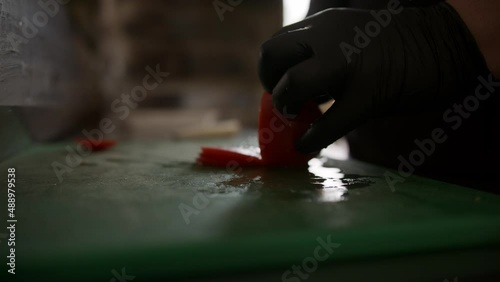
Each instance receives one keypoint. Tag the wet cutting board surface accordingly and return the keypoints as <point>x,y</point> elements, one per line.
<point>147,207</point>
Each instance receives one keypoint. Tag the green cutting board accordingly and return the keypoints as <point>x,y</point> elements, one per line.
<point>146,209</point>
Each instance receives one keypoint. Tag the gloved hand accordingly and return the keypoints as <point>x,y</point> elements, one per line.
<point>373,63</point>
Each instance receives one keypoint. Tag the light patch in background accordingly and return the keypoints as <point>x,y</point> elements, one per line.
<point>338,150</point>
<point>294,11</point>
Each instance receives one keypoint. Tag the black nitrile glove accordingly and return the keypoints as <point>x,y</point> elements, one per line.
<point>373,63</point>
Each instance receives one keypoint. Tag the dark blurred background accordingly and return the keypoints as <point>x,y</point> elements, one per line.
<point>82,55</point>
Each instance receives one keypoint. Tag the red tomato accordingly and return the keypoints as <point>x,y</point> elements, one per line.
<point>97,146</point>
<point>277,135</point>
<point>228,157</point>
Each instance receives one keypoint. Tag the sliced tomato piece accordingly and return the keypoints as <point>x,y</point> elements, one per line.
<point>277,134</point>
<point>96,146</point>
<point>277,137</point>
<point>228,157</point>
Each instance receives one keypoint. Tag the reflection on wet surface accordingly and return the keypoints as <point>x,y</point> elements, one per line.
<point>321,182</point>
<point>329,179</point>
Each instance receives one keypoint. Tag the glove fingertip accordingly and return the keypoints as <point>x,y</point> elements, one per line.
<point>306,145</point>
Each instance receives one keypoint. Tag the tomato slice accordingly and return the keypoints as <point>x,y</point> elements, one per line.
<point>96,146</point>
<point>277,134</point>
<point>229,157</point>
<point>277,137</point>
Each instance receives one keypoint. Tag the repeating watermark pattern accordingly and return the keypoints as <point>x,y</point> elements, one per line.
<point>30,28</point>
<point>121,107</point>
<point>201,200</point>
<point>310,264</point>
<point>372,29</point>
<point>121,277</point>
<point>222,7</point>
<point>454,117</point>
